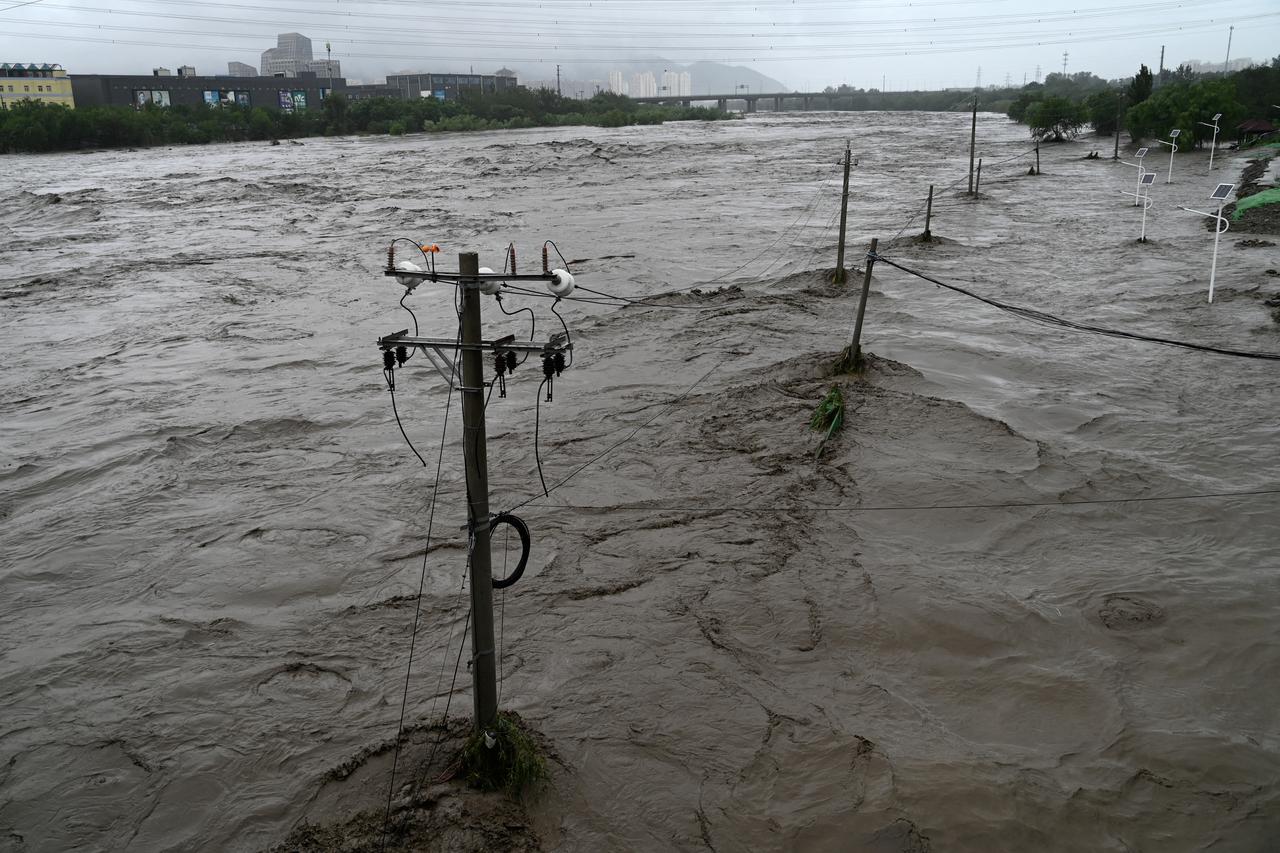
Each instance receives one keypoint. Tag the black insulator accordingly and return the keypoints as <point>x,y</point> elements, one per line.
<point>499,364</point>
<point>512,362</point>
<point>388,360</point>
<point>391,258</point>
<point>402,355</point>
<point>548,366</point>
<point>558,363</point>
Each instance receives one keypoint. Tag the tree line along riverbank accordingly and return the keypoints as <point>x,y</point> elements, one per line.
<point>32,127</point>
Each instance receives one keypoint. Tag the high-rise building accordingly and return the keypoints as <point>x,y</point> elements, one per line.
<point>686,83</point>
<point>644,85</point>
<point>291,55</point>
<point>670,83</point>
<point>186,71</point>
<point>295,46</point>
<point>616,84</point>
<point>241,69</point>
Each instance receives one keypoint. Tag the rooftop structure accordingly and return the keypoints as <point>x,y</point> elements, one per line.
<point>30,82</point>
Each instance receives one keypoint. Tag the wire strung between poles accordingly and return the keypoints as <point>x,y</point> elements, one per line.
<point>1037,316</point>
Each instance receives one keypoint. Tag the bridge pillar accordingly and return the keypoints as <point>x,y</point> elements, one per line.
<point>777,104</point>
<point>722,104</point>
<point>751,105</point>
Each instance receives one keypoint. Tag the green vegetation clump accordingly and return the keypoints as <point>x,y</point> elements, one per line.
<point>31,126</point>
<point>1265,197</point>
<point>829,416</point>
<point>514,763</point>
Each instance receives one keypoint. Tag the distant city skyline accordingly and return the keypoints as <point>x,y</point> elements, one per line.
<point>806,44</point>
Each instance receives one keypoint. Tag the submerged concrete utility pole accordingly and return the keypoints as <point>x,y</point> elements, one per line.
<point>484,666</point>
<point>839,276</point>
<point>973,143</point>
<point>855,349</point>
<point>471,283</point>
<point>928,217</point>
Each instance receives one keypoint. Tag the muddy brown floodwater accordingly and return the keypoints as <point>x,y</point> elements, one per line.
<point>211,523</point>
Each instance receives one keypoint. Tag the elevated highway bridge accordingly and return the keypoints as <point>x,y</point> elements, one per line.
<point>775,101</point>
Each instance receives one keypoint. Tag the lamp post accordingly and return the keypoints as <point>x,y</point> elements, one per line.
<point>1213,146</point>
<point>1220,227</point>
<point>1142,196</point>
<point>1173,149</point>
<point>1142,170</point>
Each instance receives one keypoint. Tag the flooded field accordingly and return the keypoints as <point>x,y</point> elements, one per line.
<point>212,528</point>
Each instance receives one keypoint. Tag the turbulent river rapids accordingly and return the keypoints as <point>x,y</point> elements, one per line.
<point>958,629</point>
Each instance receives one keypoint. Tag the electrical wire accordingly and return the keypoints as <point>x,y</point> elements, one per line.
<point>20,5</point>
<point>785,510</point>
<point>537,453</point>
<point>671,405</point>
<point>568,337</point>
<point>394,410</point>
<point>533,320</point>
<point>422,580</point>
<point>1037,316</point>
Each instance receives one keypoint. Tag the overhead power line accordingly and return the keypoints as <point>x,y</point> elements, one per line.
<point>1038,316</point>
<point>774,509</point>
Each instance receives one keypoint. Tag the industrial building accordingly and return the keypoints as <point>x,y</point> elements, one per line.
<point>47,83</point>
<point>274,93</point>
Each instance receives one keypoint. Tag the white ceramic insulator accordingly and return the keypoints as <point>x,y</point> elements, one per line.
<point>491,287</point>
<point>561,283</point>
<point>408,281</point>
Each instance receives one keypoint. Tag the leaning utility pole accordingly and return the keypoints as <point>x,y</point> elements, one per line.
<point>557,79</point>
<point>839,277</point>
<point>973,143</point>
<point>855,349</point>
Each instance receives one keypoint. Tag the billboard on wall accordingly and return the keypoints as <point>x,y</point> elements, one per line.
<point>226,98</point>
<point>439,94</point>
<point>286,101</point>
<point>299,99</point>
<point>145,97</point>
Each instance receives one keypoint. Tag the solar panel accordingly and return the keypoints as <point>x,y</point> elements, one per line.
<point>1175,133</point>
<point>1142,152</point>
<point>1222,192</point>
<point>1149,178</point>
<point>1216,117</point>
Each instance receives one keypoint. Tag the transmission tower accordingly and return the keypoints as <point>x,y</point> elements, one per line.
<point>1064,63</point>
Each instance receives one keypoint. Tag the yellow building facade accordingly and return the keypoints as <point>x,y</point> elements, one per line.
<point>47,83</point>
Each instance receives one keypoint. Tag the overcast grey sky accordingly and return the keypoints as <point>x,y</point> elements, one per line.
<point>807,44</point>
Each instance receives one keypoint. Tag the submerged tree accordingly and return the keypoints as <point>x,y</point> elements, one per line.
<point>1056,119</point>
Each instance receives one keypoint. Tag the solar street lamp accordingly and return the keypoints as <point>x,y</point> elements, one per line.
<point>1143,197</point>
<point>1214,144</point>
<point>1220,196</point>
<point>1173,149</point>
<point>1138,155</point>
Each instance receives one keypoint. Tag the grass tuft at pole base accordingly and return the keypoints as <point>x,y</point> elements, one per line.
<point>513,763</point>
